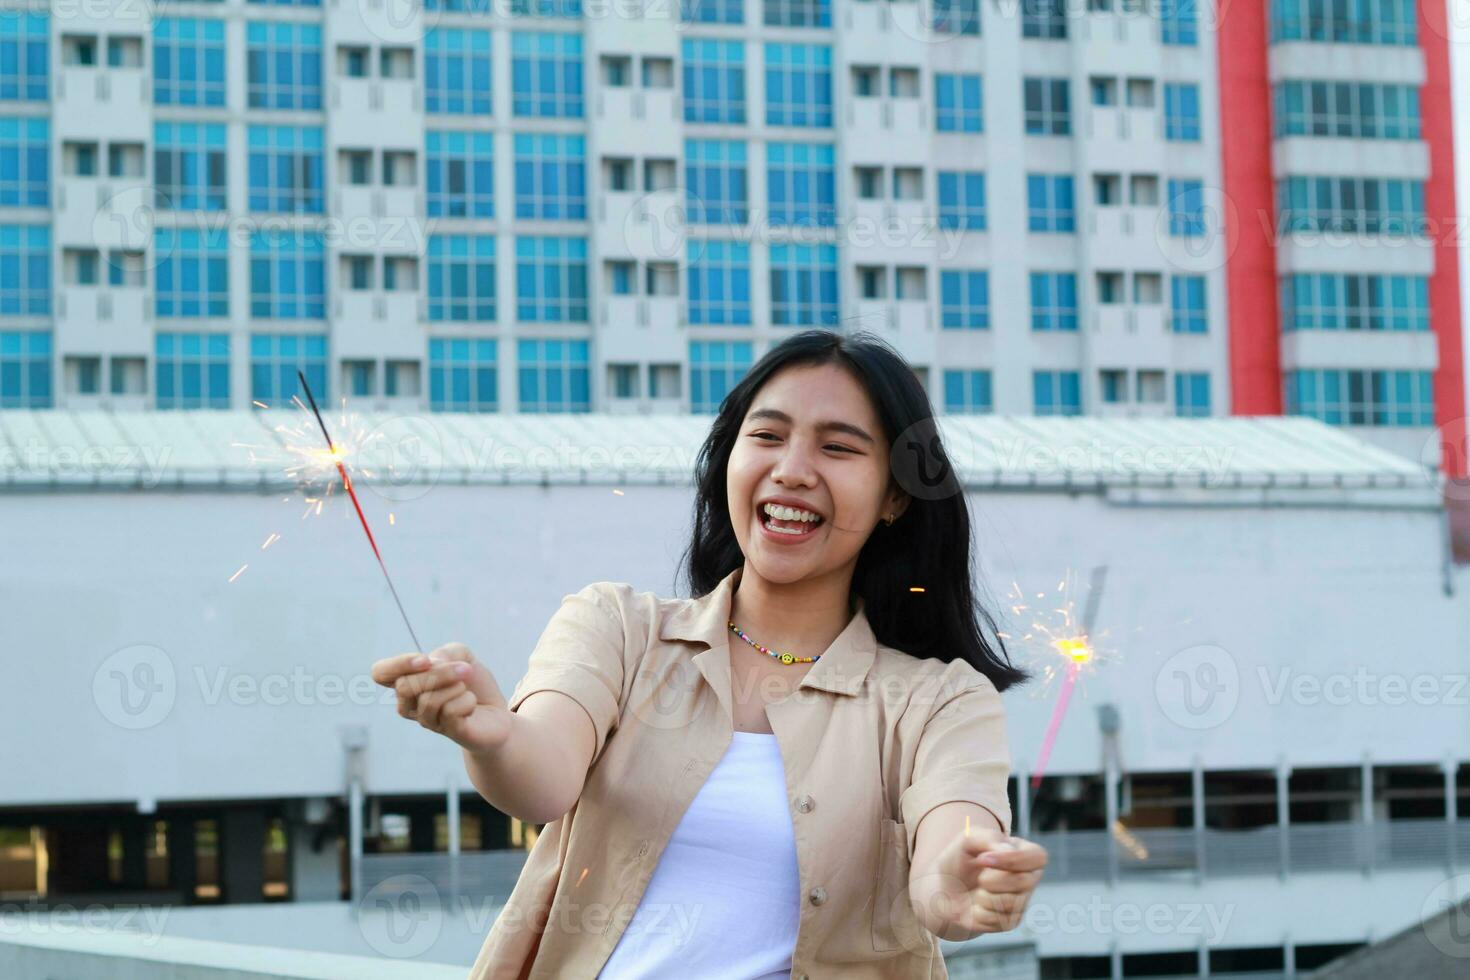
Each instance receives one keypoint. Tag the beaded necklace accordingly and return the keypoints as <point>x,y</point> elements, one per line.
<point>785,658</point>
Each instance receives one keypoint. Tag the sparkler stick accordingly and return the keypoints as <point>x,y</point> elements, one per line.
<point>347,485</point>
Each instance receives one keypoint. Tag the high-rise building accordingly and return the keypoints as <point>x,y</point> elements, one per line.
<point>1054,208</point>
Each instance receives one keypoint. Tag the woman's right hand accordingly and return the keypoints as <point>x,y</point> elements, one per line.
<point>450,692</point>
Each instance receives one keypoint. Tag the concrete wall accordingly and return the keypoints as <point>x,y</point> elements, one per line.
<point>164,680</point>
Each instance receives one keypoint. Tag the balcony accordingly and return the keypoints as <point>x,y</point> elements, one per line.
<point>372,323</point>
<point>1128,335</point>
<point>639,122</point>
<point>372,112</point>
<point>105,319</point>
<point>103,103</point>
<point>903,125</point>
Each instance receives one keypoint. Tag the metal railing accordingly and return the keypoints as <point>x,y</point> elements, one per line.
<point>1306,848</point>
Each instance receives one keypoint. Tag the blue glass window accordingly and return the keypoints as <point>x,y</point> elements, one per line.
<point>804,285</point>
<point>1361,397</point>
<point>719,282</point>
<point>798,85</point>
<point>797,13</point>
<point>956,16</point>
<point>1351,110</point>
<point>715,182</point>
<point>1192,394</point>
<point>964,299</point>
<point>962,199</point>
<point>551,177</point>
<point>457,74</point>
<point>957,104</point>
<point>460,174</point>
<point>24,58</point>
<point>1187,304</point>
<point>287,275</point>
<point>553,376</point>
<point>546,74</point>
<point>192,275</point>
<point>712,11</point>
<point>1178,23</point>
<point>714,81</point>
<point>25,368</point>
<point>551,279</point>
<point>284,62</point>
<point>1053,301</point>
<point>1044,19</point>
<point>1186,207</point>
<point>1056,392</point>
<point>462,277</point>
<point>25,162</point>
<point>1047,106</point>
<point>715,366</point>
<point>1335,21</point>
<point>274,360</point>
<point>188,62</point>
<point>1349,301</point>
<point>968,392</point>
<point>1181,111</point>
<point>463,375</point>
<point>189,169</point>
<point>25,270</point>
<point>191,370</point>
<point>1049,203</point>
<point>285,169</point>
<point>801,184</point>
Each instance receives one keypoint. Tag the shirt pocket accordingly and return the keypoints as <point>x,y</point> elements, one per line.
<point>895,924</point>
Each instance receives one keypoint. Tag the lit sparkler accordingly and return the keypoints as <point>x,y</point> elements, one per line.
<point>1069,643</point>
<point>337,457</point>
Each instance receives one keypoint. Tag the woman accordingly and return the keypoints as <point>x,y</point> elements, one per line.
<point>801,772</point>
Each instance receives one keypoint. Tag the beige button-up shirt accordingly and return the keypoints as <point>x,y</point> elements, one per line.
<point>872,739</point>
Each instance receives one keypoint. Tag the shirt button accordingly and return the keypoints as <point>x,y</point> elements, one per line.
<point>643,848</point>
<point>818,895</point>
<point>805,804</point>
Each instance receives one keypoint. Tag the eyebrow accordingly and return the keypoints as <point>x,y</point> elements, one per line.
<point>827,426</point>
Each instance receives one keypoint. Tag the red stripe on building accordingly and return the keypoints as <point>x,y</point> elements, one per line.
<point>1250,212</point>
<point>1437,112</point>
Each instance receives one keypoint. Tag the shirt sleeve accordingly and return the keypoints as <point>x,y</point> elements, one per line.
<point>580,654</point>
<point>963,754</point>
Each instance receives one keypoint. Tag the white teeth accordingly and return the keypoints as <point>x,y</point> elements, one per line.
<point>790,513</point>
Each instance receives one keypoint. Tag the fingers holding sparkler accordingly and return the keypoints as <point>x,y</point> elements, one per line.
<point>449,692</point>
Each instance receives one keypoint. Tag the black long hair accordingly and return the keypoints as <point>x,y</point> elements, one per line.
<point>928,546</point>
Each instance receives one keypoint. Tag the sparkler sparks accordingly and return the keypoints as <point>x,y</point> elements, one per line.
<point>336,457</point>
<point>1066,643</point>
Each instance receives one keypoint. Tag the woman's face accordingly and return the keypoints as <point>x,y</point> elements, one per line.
<point>811,435</point>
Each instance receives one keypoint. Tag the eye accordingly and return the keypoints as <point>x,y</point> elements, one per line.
<point>830,445</point>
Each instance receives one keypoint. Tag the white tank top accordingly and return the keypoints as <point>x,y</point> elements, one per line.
<point>725,899</point>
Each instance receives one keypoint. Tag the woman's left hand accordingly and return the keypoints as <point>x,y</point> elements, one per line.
<point>986,880</point>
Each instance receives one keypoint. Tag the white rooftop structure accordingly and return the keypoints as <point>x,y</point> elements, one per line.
<point>246,449</point>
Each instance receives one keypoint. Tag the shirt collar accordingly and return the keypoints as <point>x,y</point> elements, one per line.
<point>705,619</point>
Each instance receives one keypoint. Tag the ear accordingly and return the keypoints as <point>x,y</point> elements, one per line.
<point>896,502</point>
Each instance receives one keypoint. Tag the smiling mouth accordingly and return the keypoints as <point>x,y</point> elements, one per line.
<point>795,529</point>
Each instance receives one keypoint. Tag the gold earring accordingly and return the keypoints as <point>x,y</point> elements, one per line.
<point>889,520</point>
